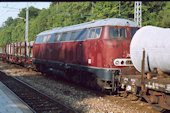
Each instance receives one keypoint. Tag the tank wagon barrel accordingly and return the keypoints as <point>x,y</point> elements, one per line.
<point>155,41</point>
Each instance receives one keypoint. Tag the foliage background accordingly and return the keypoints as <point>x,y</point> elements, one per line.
<point>69,13</point>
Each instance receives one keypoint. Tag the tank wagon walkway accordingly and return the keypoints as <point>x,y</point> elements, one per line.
<point>9,103</point>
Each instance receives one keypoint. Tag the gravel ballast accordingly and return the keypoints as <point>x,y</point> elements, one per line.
<point>79,98</point>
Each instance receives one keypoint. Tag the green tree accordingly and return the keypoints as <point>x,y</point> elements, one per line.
<point>33,12</point>
<point>150,12</point>
<point>164,16</point>
<point>71,13</point>
<point>9,21</point>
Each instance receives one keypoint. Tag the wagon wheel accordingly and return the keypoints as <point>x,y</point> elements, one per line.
<point>124,94</point>
<point>134,98</point>
<point>157,108</point>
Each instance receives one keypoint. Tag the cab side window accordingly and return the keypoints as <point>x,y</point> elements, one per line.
<point>94,33</point>
<point>115,32</point>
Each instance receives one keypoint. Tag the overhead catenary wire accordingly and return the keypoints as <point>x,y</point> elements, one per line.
<point>8,11</point>
<point>4,13</point>
<point>15,8</point>
<point>11,8</point>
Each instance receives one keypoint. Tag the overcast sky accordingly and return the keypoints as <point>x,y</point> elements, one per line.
<point>12,9</point>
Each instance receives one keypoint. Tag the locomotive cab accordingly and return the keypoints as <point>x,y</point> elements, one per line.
<point>116,54</point>
<point>117,43</point>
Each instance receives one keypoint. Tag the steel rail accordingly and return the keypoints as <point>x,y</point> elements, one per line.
<point>53,103</point>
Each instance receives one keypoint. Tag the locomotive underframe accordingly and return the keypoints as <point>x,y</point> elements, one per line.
<point>106,78</point>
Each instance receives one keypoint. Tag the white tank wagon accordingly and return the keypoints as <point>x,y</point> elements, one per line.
<point>156,43</point>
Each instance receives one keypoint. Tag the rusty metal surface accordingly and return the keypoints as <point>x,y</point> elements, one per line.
<point>154,91</point>
<point>158,98</point>
<point>158,84</point>
<point>161,84</point>
<point>130,70</point>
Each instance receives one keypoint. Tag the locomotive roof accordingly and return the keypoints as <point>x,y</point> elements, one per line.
<point>94,23</point>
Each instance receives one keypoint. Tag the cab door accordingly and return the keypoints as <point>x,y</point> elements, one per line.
<point>93,47</point>
<point>125,43</point>
<point>80,46</point>
<point>79,52</point>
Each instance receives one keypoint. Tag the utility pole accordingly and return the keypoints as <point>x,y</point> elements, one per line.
<point>92,9</point>
<point>138,13</point>
<point>26,27</point>
<point>57,6</point>
<point>119,7</point>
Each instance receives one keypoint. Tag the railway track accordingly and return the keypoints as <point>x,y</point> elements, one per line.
<point>37,101</point>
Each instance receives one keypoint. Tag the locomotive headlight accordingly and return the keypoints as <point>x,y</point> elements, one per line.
<point>116,62</point>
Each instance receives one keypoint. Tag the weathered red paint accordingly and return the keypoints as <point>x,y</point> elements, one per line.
<point>102,51</point>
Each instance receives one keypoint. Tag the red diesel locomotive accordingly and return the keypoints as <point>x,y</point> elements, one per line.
<point>91,53</point>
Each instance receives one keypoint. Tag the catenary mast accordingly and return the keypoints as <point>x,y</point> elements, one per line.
<point>26,27</point>
<point>138,13</point>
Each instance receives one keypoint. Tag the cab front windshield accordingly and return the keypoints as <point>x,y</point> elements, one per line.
<point>120,32</point>
<point>116,32</point>
<point>133,31</point>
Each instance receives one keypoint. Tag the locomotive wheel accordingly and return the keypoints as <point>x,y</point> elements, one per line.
<point>42,69</point>
<point>37,67</point>
<point>84,78</point>
<point>93,82</point>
